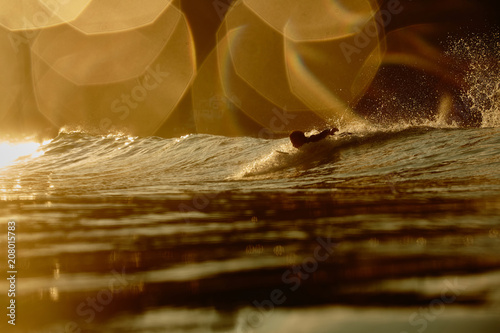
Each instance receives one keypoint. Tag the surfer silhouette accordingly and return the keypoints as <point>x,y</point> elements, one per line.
<point>298,138</point>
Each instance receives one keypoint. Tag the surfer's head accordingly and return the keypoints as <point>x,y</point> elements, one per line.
<point>298,138</point>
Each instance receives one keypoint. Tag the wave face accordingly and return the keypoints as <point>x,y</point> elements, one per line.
<point>77,163</point>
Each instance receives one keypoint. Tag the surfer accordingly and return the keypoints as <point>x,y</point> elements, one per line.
<point>298,138</point>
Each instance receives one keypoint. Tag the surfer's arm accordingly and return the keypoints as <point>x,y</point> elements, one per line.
<point>322,135</point>
<point>333,130</point>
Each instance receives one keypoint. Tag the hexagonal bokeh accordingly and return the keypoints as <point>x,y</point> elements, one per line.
<point>128,81</point>
<point>126,14</point>
<point>36,14</point>
<point>87,16</point>
<point>288,64</point>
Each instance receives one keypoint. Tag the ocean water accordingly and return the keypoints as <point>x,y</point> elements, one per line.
<point>372,230</point>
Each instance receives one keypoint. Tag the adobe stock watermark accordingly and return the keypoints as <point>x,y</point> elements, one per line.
<point>39,19</point>
<point>420,319</point>
<point>200,203</point>
<point>293,279</point>
<point>391,184</point>
<point>123,105</point>
<point>364,37</point>
<point>88,308</point>
<point>213,108</point>
<point>278,122</point>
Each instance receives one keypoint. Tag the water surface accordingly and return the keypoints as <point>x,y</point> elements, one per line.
<point>393,230</point>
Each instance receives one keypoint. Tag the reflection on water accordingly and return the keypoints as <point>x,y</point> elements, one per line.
<point>140,265</point>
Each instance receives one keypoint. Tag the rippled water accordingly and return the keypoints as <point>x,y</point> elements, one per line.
<point>394,230</point>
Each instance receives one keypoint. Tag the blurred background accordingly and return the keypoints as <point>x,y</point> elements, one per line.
<point>171,67</point>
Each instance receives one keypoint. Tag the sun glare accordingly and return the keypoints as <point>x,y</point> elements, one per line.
<point>11,152</point>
